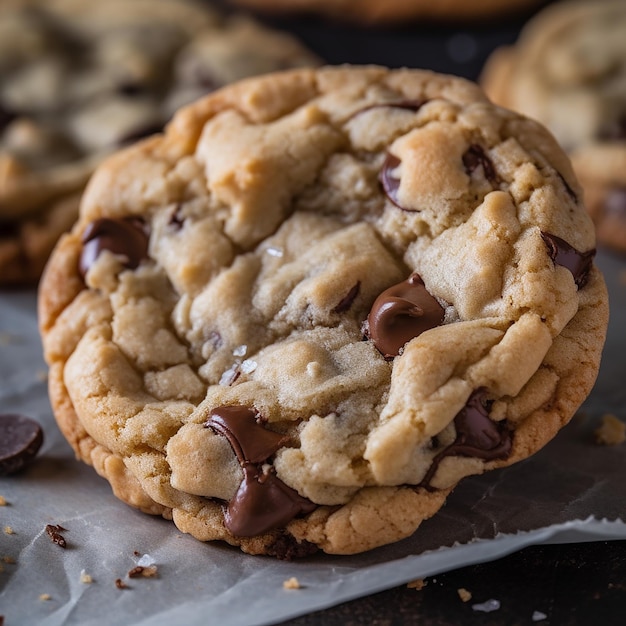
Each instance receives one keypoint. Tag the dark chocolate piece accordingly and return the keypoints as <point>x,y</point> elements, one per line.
<point>476,435</point>
<point>401,312</point>
<point>474,157</point>
<point>390,183</point>
<point>578,263</point>
<point>20,440</point>
<point>346,302</point>
<point>263,501</point>
<point>54,532</point>
<point>125,237</point>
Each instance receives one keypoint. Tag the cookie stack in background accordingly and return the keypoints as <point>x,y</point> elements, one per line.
<point>568,70</point>
<point>81,79</point>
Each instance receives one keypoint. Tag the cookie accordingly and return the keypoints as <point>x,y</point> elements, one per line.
<point>371,12</point>
<point>79,79</point>
<point>323,297</point>
<point>567,70</point>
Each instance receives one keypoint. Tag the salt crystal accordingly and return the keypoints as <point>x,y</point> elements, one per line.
<point>228,377</point>
<point>240,350</point>
<point>248,366</point>
<point>538,616</point>
<point>272,251</point>
<point>146,561</point>
<point>487,607</point>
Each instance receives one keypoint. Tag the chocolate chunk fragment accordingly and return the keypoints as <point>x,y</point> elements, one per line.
<point>20,440</point>
<point>476,436</point>
<point>578,263</point>
<point>474,157</point>
<point>391,183</point>
<point>54,532</point>
<point>263,501</point>
<point>401,312</point>
<point>126,237</point>
<point>346,302</point>
<point>6,117</point>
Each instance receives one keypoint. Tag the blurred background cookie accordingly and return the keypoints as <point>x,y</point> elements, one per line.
<point>389,11</point>
<point>568,70</point>
<point>79,79</point>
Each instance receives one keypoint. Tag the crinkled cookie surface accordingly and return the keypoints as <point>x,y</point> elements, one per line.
<point>568,70</point>
<point>79,79</point>
<point>323,297</point>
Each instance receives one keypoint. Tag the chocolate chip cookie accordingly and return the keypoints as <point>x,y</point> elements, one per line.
<point>79,79</point>
<point>323,297</point>
<point>568,71</point>
<point>371,12</point>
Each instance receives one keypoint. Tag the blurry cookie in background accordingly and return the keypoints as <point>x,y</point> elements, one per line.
<point>80,79</point>
<point>568,70</point>
<point>390,11</point>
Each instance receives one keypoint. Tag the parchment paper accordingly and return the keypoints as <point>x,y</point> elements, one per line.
<point>573,490</point>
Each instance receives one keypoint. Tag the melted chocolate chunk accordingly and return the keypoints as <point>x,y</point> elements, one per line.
<point>6,117</point>
<point>474,157</point>
<point>390,183</point>
<point>346,302</point>
<point>125,237</point>
<point>615,202</point>
<point>578,263</point>
<point>476,435</point>
<point>20,440</point>
<point>263,501</point>
<point>400,313</point>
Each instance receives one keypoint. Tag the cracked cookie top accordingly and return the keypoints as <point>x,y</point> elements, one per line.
<point>299,317</point>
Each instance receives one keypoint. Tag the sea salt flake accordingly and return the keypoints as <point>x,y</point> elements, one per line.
<point>228,377</point>
<point>248,366</point>
<point>240,350</point>
<point>487,607</point>
<point>146,561</point>
<point>272,251</point>
<point>538,616</point>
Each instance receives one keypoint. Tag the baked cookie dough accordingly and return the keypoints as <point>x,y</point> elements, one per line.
<point>568,70</point>
<point>80,78</point>
<point>323,297</point>
<point>390,11</point>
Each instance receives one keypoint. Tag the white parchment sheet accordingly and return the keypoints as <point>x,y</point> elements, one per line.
<point>573,490</point>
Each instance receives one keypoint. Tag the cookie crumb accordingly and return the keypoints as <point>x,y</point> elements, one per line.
<point>85,578</point>
<point>611,432</point>
<point>418,584</point>
<point>8,530</point>
<point>487,607</point>
<point>291,583</point>
<point>3,502</point>
<point>44,597</point>
<point>54,532</point>
<point>149,571</point>
<point>464,594</point>
<point>120,584</point>
<point>538,616</point>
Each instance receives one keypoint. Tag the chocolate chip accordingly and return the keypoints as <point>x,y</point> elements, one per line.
<point>263,502</point>
<point>6,117</point>
<point>561,253</point>
<point>474,157</point>
<point>476,435</point>
<point>391,183</point>
<point>346,302</point>
<point>20,440</point>
<point>400,313</point>
<point>126,237</point>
